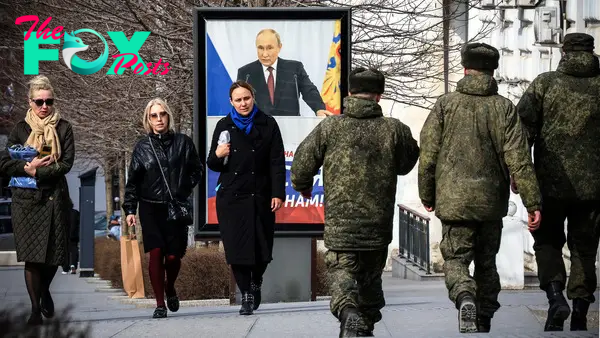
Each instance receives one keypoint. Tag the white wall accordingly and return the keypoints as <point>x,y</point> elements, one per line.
<point>79,167</point>
<point>510,30</point>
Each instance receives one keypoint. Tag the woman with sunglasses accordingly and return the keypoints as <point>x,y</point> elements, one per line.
<point>164,165</point>
<point>40,217</point>
<point>251,188</point>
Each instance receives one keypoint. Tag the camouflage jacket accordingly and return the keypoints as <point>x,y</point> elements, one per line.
<point>561,112</point>
<point>470,141</point>
<point>362,153</point>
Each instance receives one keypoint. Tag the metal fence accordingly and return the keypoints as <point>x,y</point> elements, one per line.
<point>414,237</point>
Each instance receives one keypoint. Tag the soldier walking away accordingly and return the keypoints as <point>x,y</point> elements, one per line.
<point>362,153</point>
<point>561,112</point>
<point>470,142</point>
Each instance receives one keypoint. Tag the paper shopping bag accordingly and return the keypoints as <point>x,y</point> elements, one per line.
<point>131,268</point>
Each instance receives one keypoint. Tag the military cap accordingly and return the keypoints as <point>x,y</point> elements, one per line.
<point>573,42</point>
<point>363,80</point>
<point>479,56</point>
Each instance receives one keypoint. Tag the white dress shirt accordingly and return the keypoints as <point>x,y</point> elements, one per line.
<point>266,73</point>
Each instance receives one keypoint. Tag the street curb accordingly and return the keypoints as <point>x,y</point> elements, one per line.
<point>151,303</point>
<point>9,258</point>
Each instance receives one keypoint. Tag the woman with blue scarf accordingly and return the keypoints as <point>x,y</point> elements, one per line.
<point>251,188</point>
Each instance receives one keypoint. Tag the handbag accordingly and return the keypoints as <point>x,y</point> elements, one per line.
<point>26,153</point>
<point>178,211</point>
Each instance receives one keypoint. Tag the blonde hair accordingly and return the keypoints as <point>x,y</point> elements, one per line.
<point>272,31</point>
<point>40,82</point>
<point>146,117</point>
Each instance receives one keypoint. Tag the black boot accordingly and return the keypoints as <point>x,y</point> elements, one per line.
<point>255,290</point>
<point>173,301</point>
<point>247,304</point>
<point>467,313</point>
<point>350,322</point>
<point>484,324</point>
<point>47,304</point>
<point>160,312</point>
<point>579,316</point>
<point>35,319</point>
<point>559,309</point>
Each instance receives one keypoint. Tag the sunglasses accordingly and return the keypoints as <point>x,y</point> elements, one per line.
<point>154,116</point>
<point>40,102</point>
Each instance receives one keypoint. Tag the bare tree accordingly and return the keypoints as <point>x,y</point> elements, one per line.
<point>404,38</point>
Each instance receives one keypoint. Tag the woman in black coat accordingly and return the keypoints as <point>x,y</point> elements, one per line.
<point>162,149</point>
<point>251,188</point>
<point>40,217</point>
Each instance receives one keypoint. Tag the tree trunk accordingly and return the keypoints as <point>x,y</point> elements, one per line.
<point>109,189</point>
<point>124,227</point>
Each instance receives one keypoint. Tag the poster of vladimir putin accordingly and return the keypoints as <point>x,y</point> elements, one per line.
<point>279,83</point>
<point>295,69</point>
<point>293,66</point>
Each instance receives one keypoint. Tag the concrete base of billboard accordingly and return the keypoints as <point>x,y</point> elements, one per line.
<point>287,278</point>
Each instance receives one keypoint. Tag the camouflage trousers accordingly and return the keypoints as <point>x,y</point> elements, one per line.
<point>463,243</point>
<point>583,235</point>
<point>355,281</point>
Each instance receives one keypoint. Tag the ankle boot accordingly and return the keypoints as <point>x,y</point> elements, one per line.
<point>255,290</point>
<point>467,313</point>
<point>558,310</point>
<point>247,304</point>
<point>35,319</point>
<point>349,322</point>
<point>484,324</point>
<point>579,316</point>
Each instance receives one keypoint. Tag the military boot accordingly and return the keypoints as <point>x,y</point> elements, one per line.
<point>352,324</point>
<point>467,313</point>
<point>579,316</point>
<point>484,324</point>
<point>247,304</point>
<point>558,310</point>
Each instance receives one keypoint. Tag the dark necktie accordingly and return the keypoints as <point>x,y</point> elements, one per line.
<point>271,85</point>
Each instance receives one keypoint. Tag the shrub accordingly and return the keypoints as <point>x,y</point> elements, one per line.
<point>204,271</point>
<point>204,274</point>
<point>107,261</point>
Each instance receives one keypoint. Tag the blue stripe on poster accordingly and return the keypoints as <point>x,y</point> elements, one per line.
<point>218,82</point>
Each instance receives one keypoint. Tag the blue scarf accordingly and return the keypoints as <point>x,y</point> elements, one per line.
<point>245,123</point>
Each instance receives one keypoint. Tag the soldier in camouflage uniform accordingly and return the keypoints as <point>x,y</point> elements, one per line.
<point>561,112</point>
<point>362,153</point>
<point>470,142</point>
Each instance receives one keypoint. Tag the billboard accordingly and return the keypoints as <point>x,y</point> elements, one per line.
<point>311,60</point>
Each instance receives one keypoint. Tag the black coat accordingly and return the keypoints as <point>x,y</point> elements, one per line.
<point>40,217</point>
<point>180,163</point>
<point>253,175</point>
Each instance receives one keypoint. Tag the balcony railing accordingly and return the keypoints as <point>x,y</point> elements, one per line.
<point>414,237</point>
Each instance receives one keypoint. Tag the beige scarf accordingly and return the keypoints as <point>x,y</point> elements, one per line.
<point>43,131</point>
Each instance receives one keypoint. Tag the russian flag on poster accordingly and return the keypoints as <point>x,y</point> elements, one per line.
<point>218,82</point>
<point>331,84</point>
<point>295,209</point>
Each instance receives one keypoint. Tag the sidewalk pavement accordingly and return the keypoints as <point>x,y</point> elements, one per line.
<point>414,309</point>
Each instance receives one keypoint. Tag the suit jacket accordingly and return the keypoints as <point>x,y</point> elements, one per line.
<point>291,81</point>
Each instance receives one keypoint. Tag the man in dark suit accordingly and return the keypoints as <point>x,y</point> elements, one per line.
<point>278,83</point>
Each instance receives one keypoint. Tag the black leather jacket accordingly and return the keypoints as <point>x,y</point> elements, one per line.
<point>181,165</point>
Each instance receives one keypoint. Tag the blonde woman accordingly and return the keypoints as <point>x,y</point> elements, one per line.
<point>147,188</point>
<point>40,217</point>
